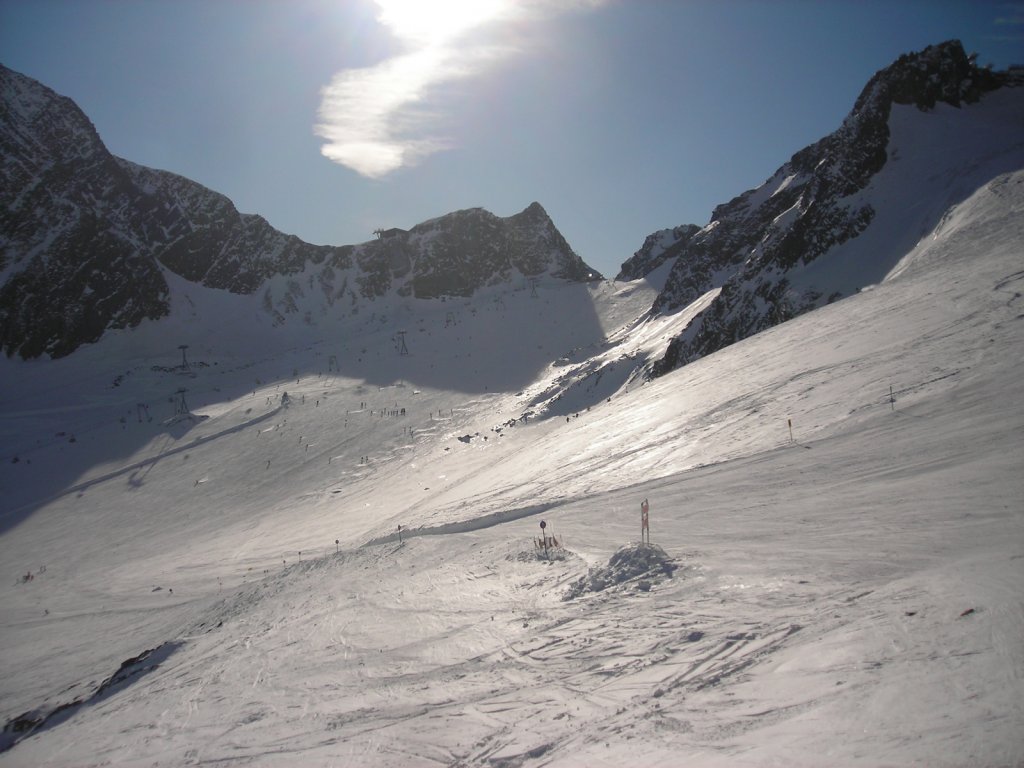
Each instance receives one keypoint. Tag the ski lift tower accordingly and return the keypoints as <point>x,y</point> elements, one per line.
<point>180,406</point>
<point>534,282</point>
<point>184,360</point>
<point>400,339</point>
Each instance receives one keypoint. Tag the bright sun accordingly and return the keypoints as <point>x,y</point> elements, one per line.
<point>437,21</point>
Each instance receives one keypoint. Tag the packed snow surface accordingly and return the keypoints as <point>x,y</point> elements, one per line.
<point>215,576</point>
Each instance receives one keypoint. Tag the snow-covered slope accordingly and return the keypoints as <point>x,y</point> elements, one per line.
<point>844,579</point>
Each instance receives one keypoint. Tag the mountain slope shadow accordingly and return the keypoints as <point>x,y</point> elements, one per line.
<point>110,413</point>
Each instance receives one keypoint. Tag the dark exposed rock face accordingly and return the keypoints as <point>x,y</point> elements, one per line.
<point>756,239</point>
<point>210,242</point>
<point>85,238</point>
<point>84,235</point>
<point>69,268</point>
<point>458,253</point>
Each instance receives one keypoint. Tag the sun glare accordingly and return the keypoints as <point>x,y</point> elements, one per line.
<point>439,20</point>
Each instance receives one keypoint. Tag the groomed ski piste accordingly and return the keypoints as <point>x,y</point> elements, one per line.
<point>836,576</point>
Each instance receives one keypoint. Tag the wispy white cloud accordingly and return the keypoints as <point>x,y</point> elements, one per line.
<point>361,113</point>
<point>378,119</point>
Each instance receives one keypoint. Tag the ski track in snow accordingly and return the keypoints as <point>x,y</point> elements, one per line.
<point>849,597</point>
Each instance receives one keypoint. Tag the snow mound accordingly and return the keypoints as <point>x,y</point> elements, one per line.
<point>642,563</point>
<point>538,553</point>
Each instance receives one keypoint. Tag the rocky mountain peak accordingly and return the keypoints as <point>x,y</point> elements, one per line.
<point>535,211</point>
<point>940,73</point>
<point>811,206</point>
<point>85,238</point>
<point>658,248</point>
<point>455,254</point>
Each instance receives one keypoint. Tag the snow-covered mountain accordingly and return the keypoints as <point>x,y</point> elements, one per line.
<point>836,505</point>
<point>320,543</point>
<point>923,135</point>
<point>659,247</point>
<point>87,241</point>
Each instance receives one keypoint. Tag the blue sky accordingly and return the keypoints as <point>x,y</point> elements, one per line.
<point>332,119</point>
